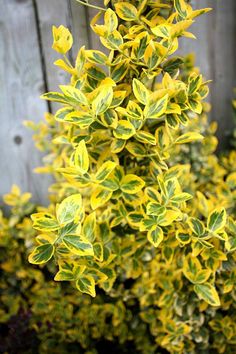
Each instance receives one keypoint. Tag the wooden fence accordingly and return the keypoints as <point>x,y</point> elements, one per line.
<point>26,71</point>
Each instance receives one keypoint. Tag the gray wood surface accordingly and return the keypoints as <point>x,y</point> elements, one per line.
<point>215,52</point>
<point>21,82</point>
<point>27,70</point>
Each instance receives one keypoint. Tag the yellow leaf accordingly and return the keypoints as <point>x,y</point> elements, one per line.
<point>111,20</point>
<point>62,39</point>
<point>99,197</point>
<point>80,158</point>
<point>188,137</point>
<point>104,171</point>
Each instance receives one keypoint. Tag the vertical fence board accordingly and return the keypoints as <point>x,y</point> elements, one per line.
<point>21,84</point>
<point>215,52</point>
<point>52,12</point>
<point>79,26</point>
<point>95,41</point>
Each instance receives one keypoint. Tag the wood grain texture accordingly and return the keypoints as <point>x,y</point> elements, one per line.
<point>79,24</point>
<point>21,82</point>
<point>52,12</point>
<point>215,52</point>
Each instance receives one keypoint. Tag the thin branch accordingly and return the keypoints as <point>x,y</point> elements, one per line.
<point>91,5</point>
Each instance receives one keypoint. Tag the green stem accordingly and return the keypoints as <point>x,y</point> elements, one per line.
<point>67,61</point>
<point>91,5</point>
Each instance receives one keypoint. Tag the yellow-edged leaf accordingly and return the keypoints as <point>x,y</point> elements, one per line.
<point>208,293</point>
<point>126,11</point>
<point>41,254</point>
<point>155,235</point>
<point>103,100</point>
<point>124,130</point>
<point>156,107</point>
<point>131,184</point>
<point>216,220</point>
<point>104,171</point>
<point>99,197</point>
<point>78,245</point>
<point>140,91</point>
<point>86,284</point>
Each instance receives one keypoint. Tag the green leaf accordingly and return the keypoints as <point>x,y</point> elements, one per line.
<point>155,235</point>
<point>86,284</point>
<point>172,65</point>
<point>216,220</point>
<point>202,276</point>
<point>78,245</point>
<point>208,293</point>
<point>62,113</point>
<point>136,149</point>
<point>42,254</point>
<point>113,41</point>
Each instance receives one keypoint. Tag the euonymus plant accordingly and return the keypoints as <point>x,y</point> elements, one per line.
<point>142,210</point>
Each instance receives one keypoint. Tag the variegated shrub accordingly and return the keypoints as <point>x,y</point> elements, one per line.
<point>142,211</point>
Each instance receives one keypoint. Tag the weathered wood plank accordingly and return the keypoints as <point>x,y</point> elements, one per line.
<point>79,26</point>
<point>95,41</point>
<point>215,51</point>
<point>21,84</point>
<point>52,12</point>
